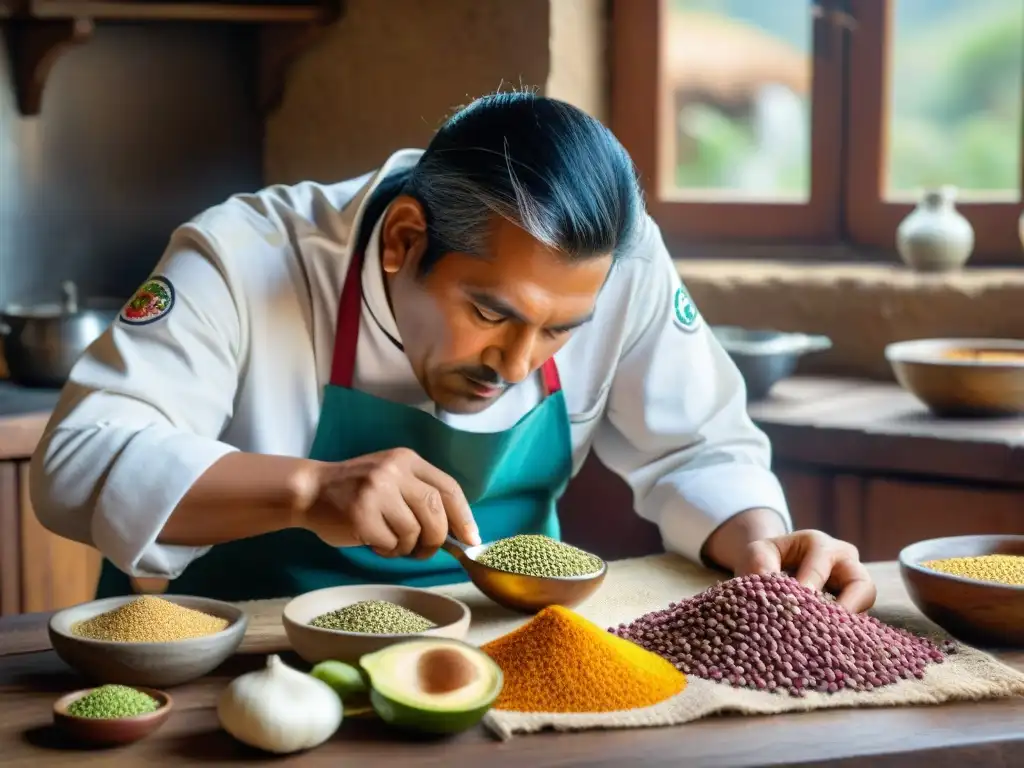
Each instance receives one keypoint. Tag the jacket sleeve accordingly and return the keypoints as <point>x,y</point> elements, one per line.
<point>676,426</point>
<point>139,419</point>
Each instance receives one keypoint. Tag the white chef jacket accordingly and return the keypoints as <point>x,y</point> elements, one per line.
<point>240,361</point>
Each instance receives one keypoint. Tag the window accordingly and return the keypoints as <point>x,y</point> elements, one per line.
<point>794,121</point>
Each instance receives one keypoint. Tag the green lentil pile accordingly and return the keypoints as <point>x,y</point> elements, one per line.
<point>377,617</point>
<point>535,555</point>
<point>149,620</point>
<point>999,569</point>
<point>113,701</point>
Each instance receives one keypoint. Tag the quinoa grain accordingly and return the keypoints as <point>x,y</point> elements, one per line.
<point>149,620</point>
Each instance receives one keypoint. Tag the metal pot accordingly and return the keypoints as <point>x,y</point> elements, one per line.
<point>43,342</point>
<point>766,356</point>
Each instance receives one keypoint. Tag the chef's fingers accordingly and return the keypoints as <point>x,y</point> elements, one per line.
<point>456,508</point>
<point>404,524</point>
<point>761,559</point>
<point>816,566</point>
<point>372,530</point>
<point>426,503</point>
<point>857,592</point>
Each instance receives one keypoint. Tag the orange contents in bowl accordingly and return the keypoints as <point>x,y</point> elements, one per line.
<point>985,355</point>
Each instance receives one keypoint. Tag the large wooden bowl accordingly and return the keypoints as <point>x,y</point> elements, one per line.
<point>962,377</point>
<point>979,613</point>
<point>154,665</point>
<point>314,644</point>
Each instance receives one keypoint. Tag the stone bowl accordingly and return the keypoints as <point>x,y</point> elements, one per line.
<point>962,377</point>
<point>315,644</point>
<point>122,730</point>
<point>153,665</point>
<point>980,613</point>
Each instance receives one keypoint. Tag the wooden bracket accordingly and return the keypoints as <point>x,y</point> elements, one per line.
<point>280,47</point>
<point>34,47</point>
<point>39,31</point>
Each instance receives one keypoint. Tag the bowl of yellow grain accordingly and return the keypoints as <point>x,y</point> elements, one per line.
<point>146,640</point>
<point>962,377</point>
<point>971,586</point>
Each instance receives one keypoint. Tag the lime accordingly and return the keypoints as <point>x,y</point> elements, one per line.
<point>343,678</point>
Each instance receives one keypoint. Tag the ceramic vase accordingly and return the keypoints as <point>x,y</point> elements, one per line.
<point>935,236</point>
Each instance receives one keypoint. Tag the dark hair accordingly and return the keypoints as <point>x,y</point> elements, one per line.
<point>541,163</point>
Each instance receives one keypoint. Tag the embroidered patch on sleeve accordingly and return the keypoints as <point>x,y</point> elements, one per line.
<point>685,311</point>
<point>151,302</point>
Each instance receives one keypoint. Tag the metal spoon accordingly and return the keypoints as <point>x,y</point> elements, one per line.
<point>525,594</point>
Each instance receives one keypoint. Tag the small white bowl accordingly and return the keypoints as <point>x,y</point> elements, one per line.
<point>151,665</point>
<point>315,644</point>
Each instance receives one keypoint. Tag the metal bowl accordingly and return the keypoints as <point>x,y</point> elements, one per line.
<point>42,342</point>
<point>962,377</point>
<point>765,357</point>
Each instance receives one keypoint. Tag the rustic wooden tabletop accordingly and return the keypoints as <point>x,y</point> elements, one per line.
<point>977,733</point>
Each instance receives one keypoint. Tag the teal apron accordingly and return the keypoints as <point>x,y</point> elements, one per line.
<point>512,480</point>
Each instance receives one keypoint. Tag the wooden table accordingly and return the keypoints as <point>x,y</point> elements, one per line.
<point>985,733</point>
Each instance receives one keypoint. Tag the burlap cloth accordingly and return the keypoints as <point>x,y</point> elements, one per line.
<point>635,587</point>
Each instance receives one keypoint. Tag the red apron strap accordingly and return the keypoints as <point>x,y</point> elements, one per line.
<point>346,331</point>
<point>552,381</point>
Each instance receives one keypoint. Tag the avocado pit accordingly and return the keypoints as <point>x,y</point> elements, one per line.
<point>443,670</point>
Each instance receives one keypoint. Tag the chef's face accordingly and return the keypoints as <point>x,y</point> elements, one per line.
<point>475,325</point>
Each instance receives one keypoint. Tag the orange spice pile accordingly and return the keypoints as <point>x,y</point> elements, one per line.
<point>560,662</point>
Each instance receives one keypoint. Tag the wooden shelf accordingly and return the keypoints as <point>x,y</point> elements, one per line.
<point>142,10</point>
<point>39,31</point>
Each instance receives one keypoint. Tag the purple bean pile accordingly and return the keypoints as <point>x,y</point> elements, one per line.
<point>771,633</point>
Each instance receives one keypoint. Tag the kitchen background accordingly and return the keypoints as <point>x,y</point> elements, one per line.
<point>145,124</point>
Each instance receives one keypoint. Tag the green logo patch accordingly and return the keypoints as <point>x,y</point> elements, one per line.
<point>685,311</point>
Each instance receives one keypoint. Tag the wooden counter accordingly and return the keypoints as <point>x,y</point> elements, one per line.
<point>963,734</point>
<point>38,570</point>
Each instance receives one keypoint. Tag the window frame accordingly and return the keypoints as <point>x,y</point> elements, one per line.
<point>871,219</point>
<point>846,211</point>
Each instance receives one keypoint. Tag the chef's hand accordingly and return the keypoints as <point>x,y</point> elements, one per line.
<point>755,543</point>
<point>393,502</point>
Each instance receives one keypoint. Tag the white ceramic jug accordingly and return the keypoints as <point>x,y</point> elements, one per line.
<point>935,236</point>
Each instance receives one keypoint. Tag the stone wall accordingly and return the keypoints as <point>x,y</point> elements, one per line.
<point>860,307</point>
<point>388,73</point>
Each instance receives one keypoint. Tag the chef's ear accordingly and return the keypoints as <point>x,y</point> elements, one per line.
<point>404,234</point>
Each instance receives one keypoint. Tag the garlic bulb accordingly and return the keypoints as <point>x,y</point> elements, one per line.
<point>279,709</point>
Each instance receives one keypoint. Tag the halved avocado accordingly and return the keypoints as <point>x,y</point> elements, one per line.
<point>432,685</point>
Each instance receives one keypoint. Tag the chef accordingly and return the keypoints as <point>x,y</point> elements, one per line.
<point>317,383</point>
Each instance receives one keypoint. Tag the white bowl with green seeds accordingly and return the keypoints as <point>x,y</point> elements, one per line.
<point>344,623</point>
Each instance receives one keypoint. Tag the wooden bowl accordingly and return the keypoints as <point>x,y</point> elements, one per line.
<point>314,644</point>
<point>980,613</point>
<point>122,730</point>
<point>962,377</point>
<point>156,665</point>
